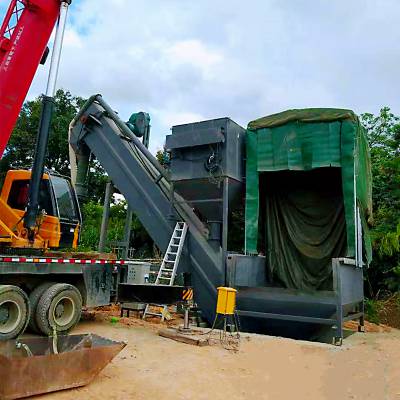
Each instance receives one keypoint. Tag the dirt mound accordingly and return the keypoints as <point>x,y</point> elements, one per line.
<point>389,312</point>
<point>369,327</point>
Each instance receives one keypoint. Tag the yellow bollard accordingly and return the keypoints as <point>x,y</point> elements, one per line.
<point>226,302</point>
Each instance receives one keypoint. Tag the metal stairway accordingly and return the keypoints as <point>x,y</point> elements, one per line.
<point>166,274</point>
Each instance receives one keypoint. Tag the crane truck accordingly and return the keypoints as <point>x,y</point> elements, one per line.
<point>39,209</point>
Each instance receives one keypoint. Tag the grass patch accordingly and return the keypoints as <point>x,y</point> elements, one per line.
<point>373,309</point>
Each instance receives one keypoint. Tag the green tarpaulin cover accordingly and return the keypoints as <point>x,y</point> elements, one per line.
<point>302,219</point>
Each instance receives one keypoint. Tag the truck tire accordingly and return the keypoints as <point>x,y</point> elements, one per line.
<point>14,312</point>
<point>60,306</point>
<point>34,298</point>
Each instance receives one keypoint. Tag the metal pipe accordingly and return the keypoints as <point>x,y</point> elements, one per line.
<point>105,218</point>
<point>122,126</point>
<point>127,231</point>
<point>225,222</point>
<point>82,170</point>
<point>44,126</point>
<point>57,49</point>
<point>359,239</point>
<point>38,166</point>
<point>84,108</point>
<point>214,238</point>
<point>127,132</point>
<point>355,216</point>
<point>146,137</point>
<point>186,318</point>
<point>72,154</point>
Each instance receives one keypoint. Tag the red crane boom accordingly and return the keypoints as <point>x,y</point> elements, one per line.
<point>24,35</point>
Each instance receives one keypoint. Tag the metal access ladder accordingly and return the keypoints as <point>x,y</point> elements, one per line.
<point>166,274</point>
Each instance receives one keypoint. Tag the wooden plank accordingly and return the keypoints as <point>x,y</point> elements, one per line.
<point>195,340</point>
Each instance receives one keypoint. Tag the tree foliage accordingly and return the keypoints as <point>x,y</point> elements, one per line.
<point>163,158</point>
<point>383,133</point>
<point>92,214</point>
<point>20,149</point>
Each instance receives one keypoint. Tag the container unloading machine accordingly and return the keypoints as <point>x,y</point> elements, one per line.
<point>204,185</point>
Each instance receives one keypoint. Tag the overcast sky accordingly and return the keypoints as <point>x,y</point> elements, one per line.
<point>184,61</point>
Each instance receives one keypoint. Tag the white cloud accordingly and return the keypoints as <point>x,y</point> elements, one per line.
<point>194,53</point>
<point>185,61</point>
<point>72,39</point>
<point>177,118</point>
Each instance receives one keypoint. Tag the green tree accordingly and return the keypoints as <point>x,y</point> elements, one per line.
<point>90,234</point>
<point>20,149</point>
<point>383,133</point>
<point>163,157</point>
<point>92,214</point>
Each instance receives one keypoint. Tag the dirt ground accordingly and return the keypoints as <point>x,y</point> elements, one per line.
<point>367,366</point>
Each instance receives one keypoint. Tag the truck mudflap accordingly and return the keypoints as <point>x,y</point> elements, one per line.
<point>35,366</point>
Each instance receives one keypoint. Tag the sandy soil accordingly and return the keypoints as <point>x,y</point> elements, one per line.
<point>367,366</point>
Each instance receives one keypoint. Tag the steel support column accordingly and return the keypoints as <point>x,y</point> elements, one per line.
<point>106,215</point>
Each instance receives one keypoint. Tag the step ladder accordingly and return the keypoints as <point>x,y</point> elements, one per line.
<point>166,274</point>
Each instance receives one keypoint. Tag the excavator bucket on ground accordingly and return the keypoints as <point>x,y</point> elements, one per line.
<point>34,366</point>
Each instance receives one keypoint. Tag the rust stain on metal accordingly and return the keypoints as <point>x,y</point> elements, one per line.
<point>80,359</point>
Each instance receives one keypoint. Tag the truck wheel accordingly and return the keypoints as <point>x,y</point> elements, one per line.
<point>34,298</point>
<point>60,306</point>
<point>14,312</point>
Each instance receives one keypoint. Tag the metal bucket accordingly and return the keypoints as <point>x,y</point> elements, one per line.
<point>30,366</point>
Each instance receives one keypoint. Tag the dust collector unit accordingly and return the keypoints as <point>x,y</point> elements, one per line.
<point>207,165</point>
